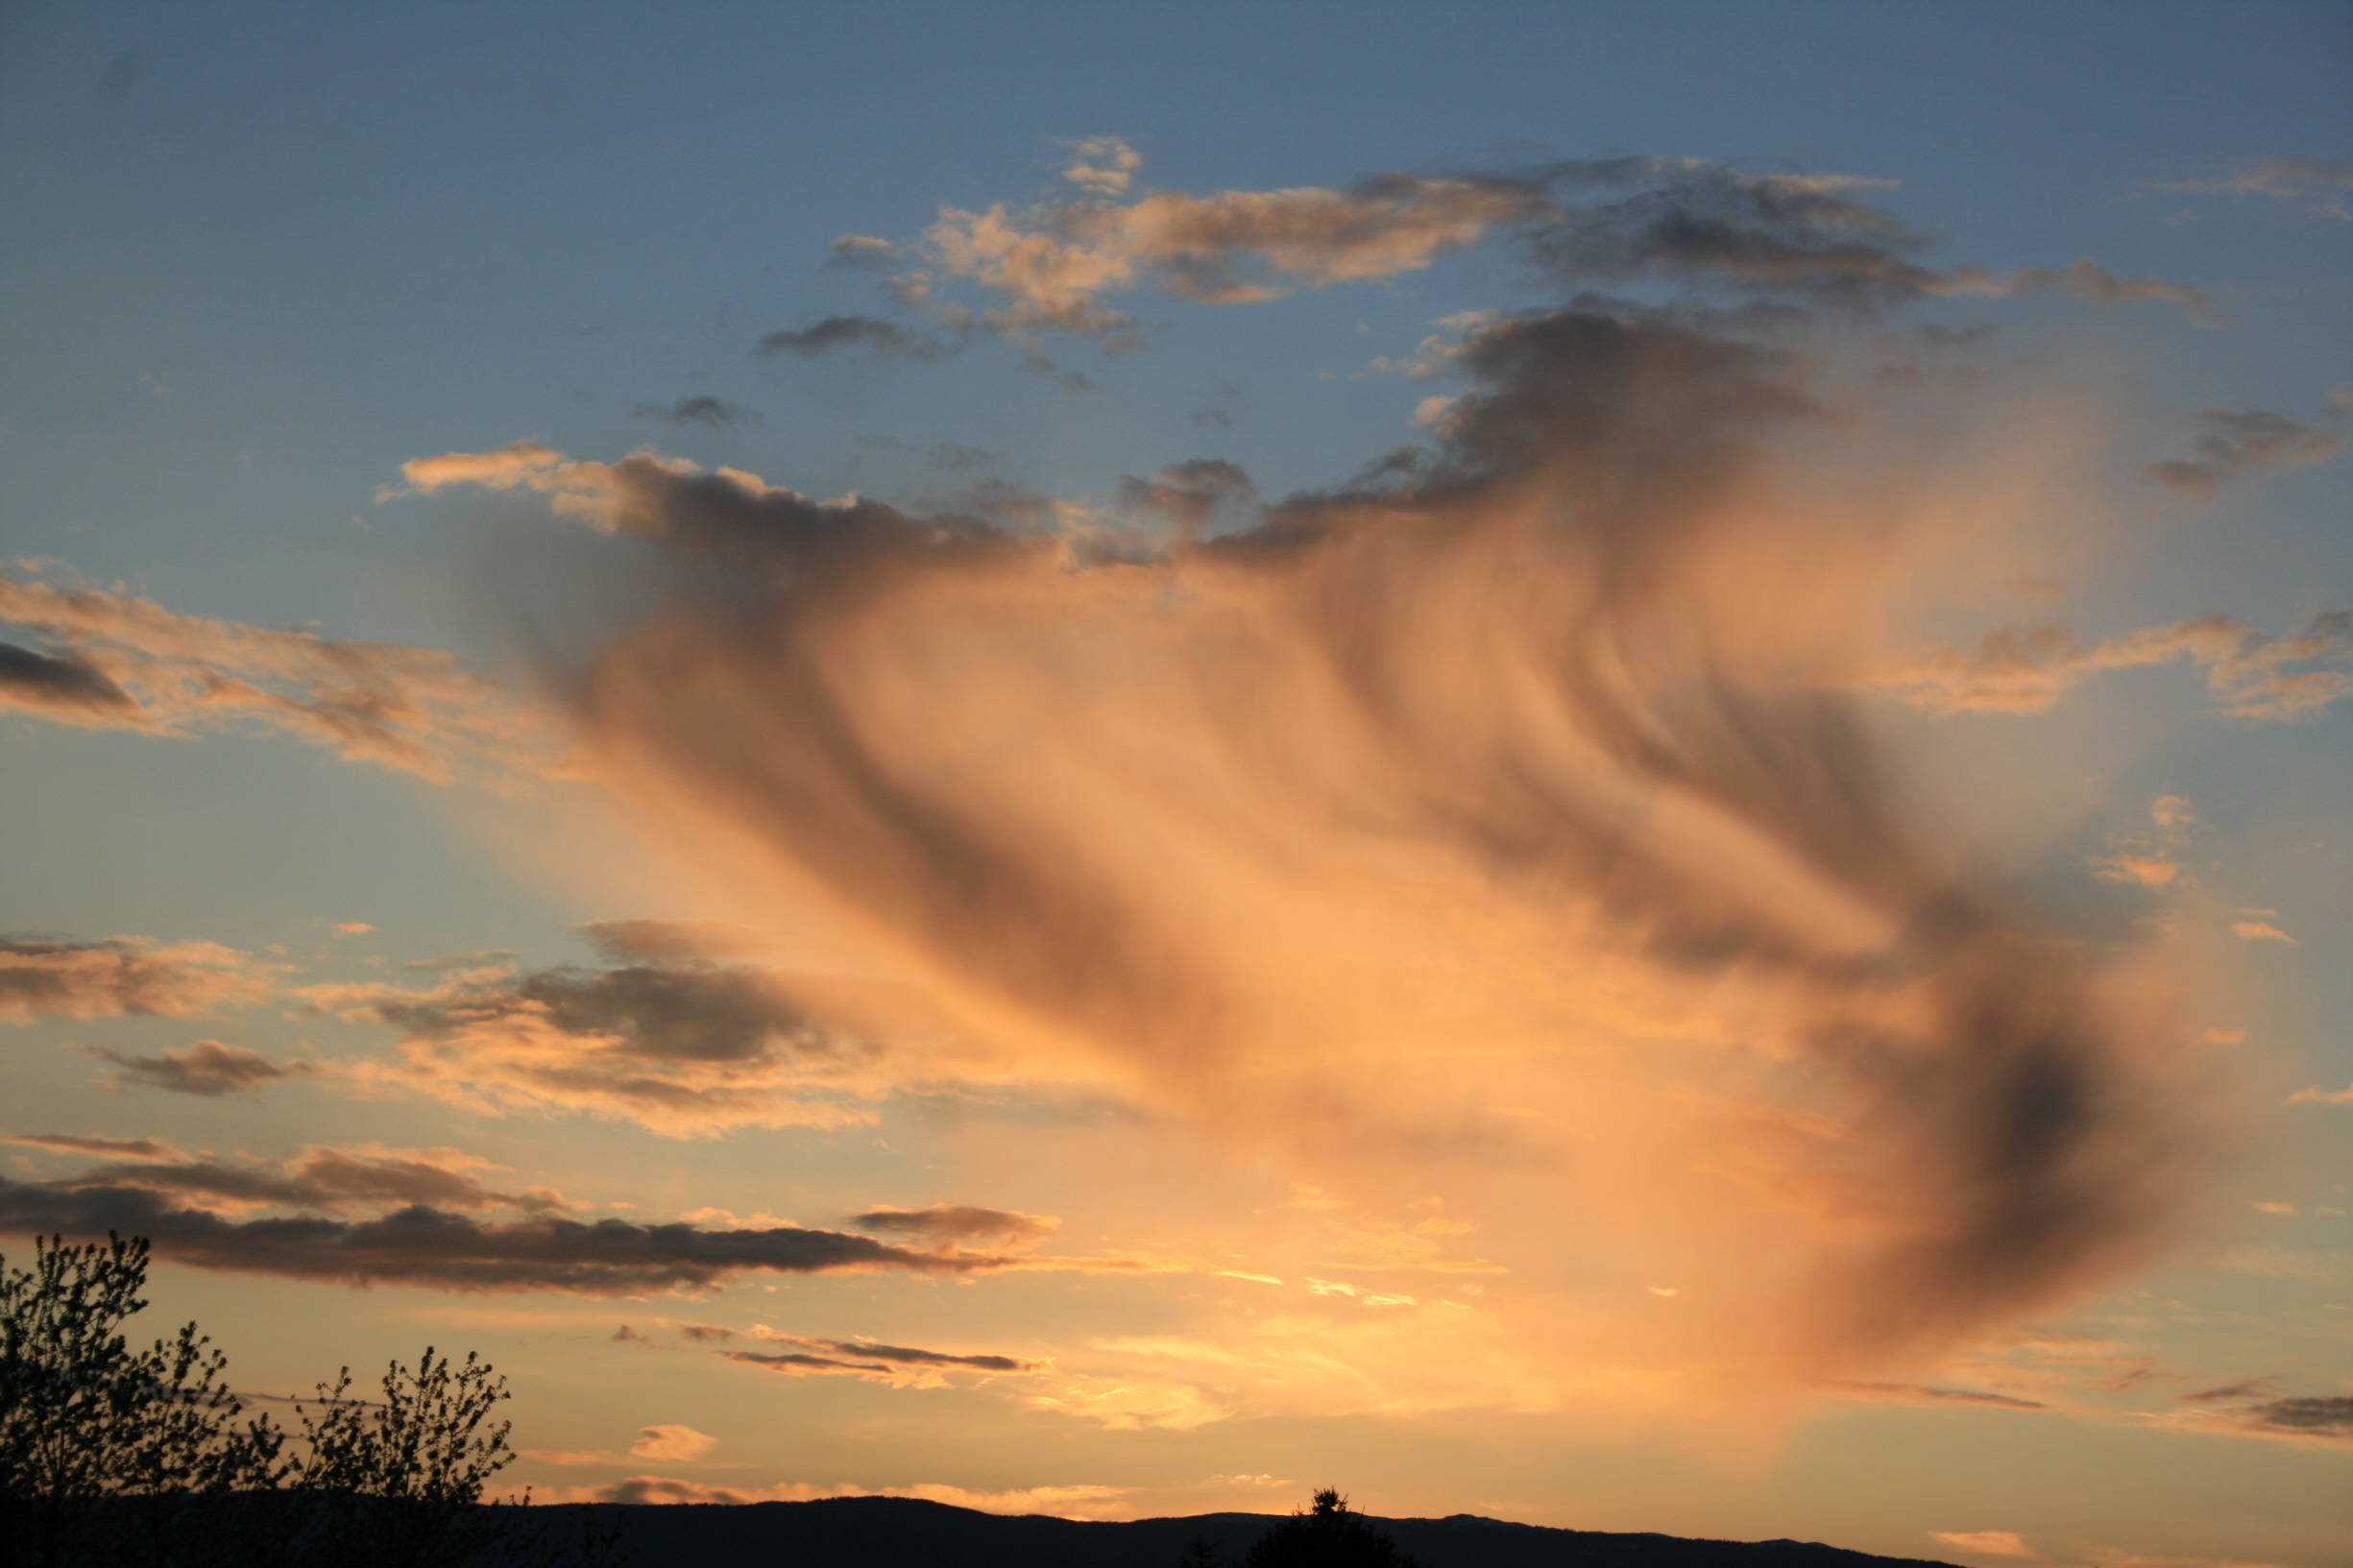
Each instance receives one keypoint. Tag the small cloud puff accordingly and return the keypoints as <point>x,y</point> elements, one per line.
<point>677,1444</point>
<point>698,410</point>
<point>1104,165</point>
<point>207,1068</point>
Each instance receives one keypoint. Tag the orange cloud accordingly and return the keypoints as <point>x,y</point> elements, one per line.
<point>128,663</point>
<point>126,975</point>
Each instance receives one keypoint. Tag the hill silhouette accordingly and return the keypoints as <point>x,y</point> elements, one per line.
<point>887,1532</point>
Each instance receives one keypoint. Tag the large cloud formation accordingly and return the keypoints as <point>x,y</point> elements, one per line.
<point>1504,816</point>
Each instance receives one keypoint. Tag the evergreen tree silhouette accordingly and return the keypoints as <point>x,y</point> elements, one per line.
<point>1328,1535</point>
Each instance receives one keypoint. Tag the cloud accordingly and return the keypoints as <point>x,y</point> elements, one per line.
<point>1810,238</point>
<point>1053,264</point>
<point>1057,1502</point>
<point>2249,1388</point>
<point>886,339</point>
<point>322,1178</point>
<point>429,1247</point>
<point>119,1148</point>
<point>866,1358</point>
<point>681,1445</point>
<point>120,662</point>
<point>1916,1393</point>
<point>2235,445</point>
<point>2317,1095</point>
<point>1999,1543</point>
<point>699,410</point>
<point>125,975</point>
<point>2025,669</point>
<point>2317,180</point>
<point>2082,278</point>
<point>206,1068</point>
<point>863,251</point>
<point>685,1049</point>
<point>2260,930</point>
<point>2318,1417</point>
<point>30,679</point>
<point>663,941</point>
<point>1505,810</point>
<point>944,1225</point>
<point>1104,165</point>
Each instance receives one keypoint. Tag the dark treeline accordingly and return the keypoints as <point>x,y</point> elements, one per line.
<point>110,1454</point>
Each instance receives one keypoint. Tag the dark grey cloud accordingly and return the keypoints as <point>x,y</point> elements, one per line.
<point>1687,221</point>
<point>422,1246</point>
<point>942,1224</point>
<point>680,1044</point>
<point>2236,444</point>
<point>710,1015</point>
<point>666,941</point>
<point>887,340</point>
<point>2327,1416</point>
<point>207,1068</point>
<point>32,679</point>
<point>1192,496</point>
<point>1947,1397</point>
<point>331,1180</point>
<point>863,1355</point>
<point>703,410</point>
<point>2250,1388</point>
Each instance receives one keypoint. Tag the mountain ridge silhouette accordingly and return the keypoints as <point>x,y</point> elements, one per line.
<point>885,1532</point>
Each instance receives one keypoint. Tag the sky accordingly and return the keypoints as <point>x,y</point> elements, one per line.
<point>1583,762</point>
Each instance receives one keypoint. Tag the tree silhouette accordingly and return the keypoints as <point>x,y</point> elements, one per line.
<point>102,1446</point>
<point>1328,1535</point>
<point>109,1456</point>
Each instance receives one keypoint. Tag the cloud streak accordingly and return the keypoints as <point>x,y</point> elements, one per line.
<point>429,1247</point>
<point>1810,239</point>
<point>2237,444</point>
<point>2027,670</point>
<point>207,1068</point>
<point>125,975</point>
<point>116,661</point>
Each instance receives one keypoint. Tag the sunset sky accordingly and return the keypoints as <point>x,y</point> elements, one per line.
<point>1586,763</point>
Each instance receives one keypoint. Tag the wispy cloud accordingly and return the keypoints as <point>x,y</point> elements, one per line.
<point>2235,445</point>
<point>2025,669</point>
<point>116,661</point>
<point>1814,238</point>
<point>2319,182</point>
<point>714,411</point>
<point>123,974</point>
